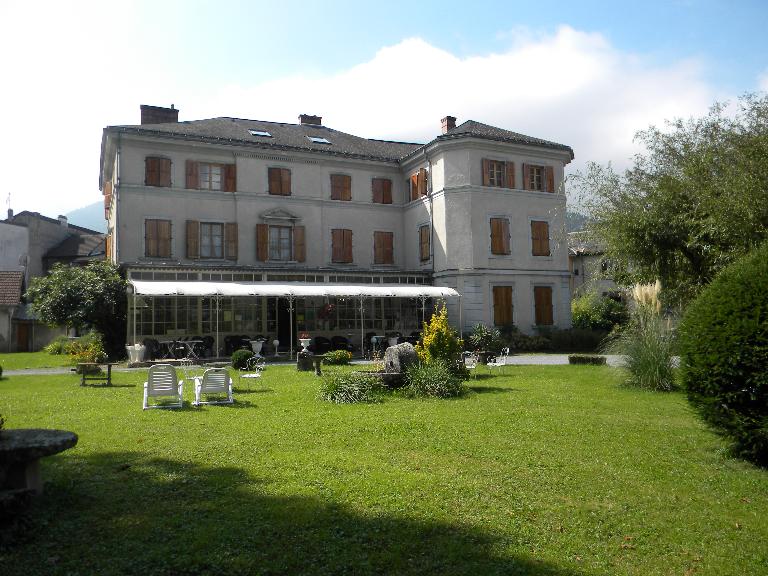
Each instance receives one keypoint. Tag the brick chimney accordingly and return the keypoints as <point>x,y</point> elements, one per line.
<point>63,221</point>
<point>308,119</point>
<point>449,123</point>
<point>158,114</point>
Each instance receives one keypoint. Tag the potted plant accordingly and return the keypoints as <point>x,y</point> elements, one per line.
<point>485,341</point>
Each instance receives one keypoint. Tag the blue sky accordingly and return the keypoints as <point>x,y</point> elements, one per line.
<point>588,74</point>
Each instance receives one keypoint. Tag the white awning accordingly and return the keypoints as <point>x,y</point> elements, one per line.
<point>298,290</point>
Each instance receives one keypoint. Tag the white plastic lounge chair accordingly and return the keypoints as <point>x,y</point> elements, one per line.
<point>213,381</point>
<point>501,360</point>
<point>162,383</point>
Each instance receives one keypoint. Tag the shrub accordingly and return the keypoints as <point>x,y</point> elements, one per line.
<point>337,358</point>
<point>435,379</point>
<point>586,359</point>
<point>517,341</point>
<point>574,339</point>
<point>88,348</point>
<point>592,312</point>
<point>724,354</point>
<point>440,342</point>
<point>647,342</point>
<point>59,346</point>
<point>348,387</point>
<point>485,338</point>
<point>240,359</point>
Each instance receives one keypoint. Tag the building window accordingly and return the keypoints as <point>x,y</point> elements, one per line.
<point>538,178</point>
<point>542,298</point>
<point>157,238</point>
<point>341,246</point>
<point>418,184</point>
<point>157,171</point>
<point>210,176</point>
<point>498,174</point>
<point>500,236</point>
<point>280,243</point>
<point>424,247</point>
<point>382,190</point>
<point>383,252</point>
<point>211,240</point>
<point>502,306</point>
<point>341,187</point>
<point>540,238</point>
<point>279,181</point>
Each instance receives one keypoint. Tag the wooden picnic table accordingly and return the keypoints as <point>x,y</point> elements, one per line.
<point>86,369</point>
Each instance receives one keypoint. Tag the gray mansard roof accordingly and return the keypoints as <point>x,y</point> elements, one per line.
<point>236,131</point>
<point>473,129</point>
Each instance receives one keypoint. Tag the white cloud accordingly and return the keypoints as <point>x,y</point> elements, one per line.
<point>70,81</point>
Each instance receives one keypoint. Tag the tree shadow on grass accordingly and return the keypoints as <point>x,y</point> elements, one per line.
<point>119,513</point>
<point>490,389</point>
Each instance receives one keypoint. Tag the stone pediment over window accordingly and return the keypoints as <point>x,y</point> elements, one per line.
<point>279,214</point>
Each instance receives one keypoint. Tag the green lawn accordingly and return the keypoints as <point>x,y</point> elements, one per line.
<point>22,360</point>
<point>546,470</point>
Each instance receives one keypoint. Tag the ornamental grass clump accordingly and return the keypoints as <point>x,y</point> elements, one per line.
<point>646,342</point>
<point>432,380</point>
<point>348,387</point>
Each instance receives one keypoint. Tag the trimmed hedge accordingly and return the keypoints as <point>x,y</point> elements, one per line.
<point>586,359</point>
<point>724,354</point>
<point>240,359</point>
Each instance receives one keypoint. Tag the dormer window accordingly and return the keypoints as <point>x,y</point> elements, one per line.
<point>262,133</point>
<point>318,140</point>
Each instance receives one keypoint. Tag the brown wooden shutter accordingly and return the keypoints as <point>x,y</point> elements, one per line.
<point>337,245</point>
<point>151,171</point>
<point>299,244</point>
<point>415,186</point>
<point>502,305</point>
<point>526,177</point>
<point>341,187</point>
<point>275,181</point>
<point>165,172</point>
<point>486,172</point>
<point>540,238</point>
<point>424,243</point>
<point>262,242</point>
<point>542,297</point>
<point>230,240</point>
<point>150,238</point>
<point>193,175</point>
<point>193,239</point>
<point>550,178</point>
<point>377,187</point>
<point>389,248</point>
<point>497,235</point>
<point>505,236</point>
<point>510,174</point>
<point>230,177</point>
<point>285,181</point>
<point>163,238</point>
<point>108,247</point>
<point>348,246</point>
<point>378,248</point>
<point>386,191</point>
<point>422,182</point>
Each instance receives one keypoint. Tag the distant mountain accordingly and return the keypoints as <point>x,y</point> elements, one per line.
<point>575,222</point>
<point>91,216</point>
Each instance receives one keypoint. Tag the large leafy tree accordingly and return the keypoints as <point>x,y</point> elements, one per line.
<point>93,296</point>
<point>692,203</point>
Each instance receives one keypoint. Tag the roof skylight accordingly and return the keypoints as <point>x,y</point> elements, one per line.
<point>263,133</point>
<point>318,140</point>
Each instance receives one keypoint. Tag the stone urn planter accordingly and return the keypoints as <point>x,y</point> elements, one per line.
<point>305,343</point>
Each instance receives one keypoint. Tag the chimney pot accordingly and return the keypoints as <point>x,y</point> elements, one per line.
<point>308,119</point>
<point>449,123</point>
<point>158,114</point>
<point>63,221</point>
<point>10,213</point>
